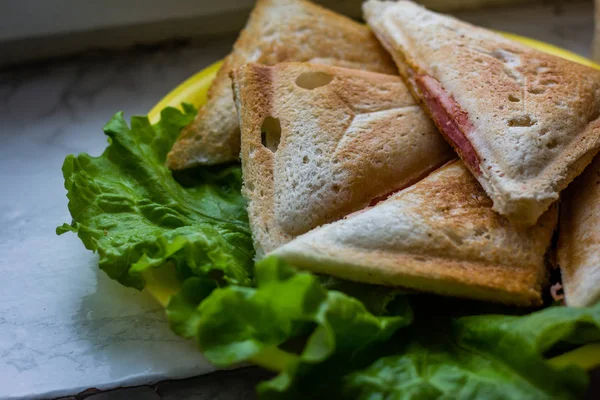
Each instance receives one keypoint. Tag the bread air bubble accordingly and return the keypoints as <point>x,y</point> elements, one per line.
<point>313,80</point>
<point>270,133</point>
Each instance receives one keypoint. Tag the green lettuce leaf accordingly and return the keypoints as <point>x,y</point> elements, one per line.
<point>259,324</point>
<point>481,356</point>
<point>182,307</point>
<point>326,338</point>
<point>128,206</point>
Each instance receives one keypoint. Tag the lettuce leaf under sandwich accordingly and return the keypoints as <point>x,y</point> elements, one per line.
<point>488,356</point>
<point>325,344</point>
<point>321,336</point>
<point>128,206</point>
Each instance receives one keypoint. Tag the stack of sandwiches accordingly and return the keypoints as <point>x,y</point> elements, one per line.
<point>418,151</point>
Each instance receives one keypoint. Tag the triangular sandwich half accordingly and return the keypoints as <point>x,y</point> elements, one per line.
<point>319,142</point>
<point>525,123</point>
<point>579,240</point>
<point>439,235</point>
<point>276,31</point>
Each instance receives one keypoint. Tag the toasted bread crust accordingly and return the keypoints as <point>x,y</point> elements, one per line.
<point>439,235</point>
<point>276,31</point>
<point>534,116</point>
<point>357,137</point>
<point>579,240</point>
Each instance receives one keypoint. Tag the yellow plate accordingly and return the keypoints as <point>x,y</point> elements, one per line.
<point>195,89</point>
<point>161,283</point>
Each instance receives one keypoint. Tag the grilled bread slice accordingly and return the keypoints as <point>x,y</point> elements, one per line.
<point>319,142</point>
<point>439,235</point>
<point>524,122</point>
<point>579,240</point>
<point>277,31</point>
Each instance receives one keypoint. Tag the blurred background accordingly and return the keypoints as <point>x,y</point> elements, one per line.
<point>34,29</point>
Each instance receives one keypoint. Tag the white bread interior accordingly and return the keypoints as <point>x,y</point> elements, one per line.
<point>276,31</point>
<point>345,137</point>
<point>579,239</point>
<point>439,235</point>
<point>535,116</point>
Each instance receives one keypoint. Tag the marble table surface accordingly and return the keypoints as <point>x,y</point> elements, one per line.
<point>64,326</point>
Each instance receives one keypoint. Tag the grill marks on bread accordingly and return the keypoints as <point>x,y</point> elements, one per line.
<point>439,235</point>
<point>343,143</point>
<point>534,115</point>
<point>276,31</point>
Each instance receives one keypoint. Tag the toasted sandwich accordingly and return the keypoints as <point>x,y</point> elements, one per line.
<point>439,235</point>
<point>276,31</point>
<point>524,122</point>
<point>579,239</point>
<point>319,142</point>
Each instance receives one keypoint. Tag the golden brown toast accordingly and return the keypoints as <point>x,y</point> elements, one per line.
<point>439,235</point>
<point>579,241</point>
<point>276,31</point>
<point>525,123</point>
<point>319,142</point>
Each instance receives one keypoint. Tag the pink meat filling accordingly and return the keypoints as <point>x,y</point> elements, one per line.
<point>450,118</point>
